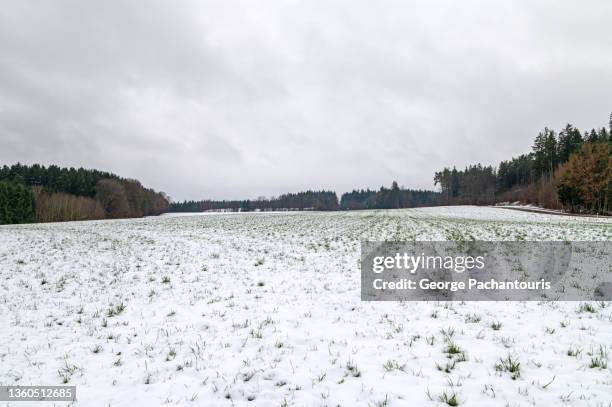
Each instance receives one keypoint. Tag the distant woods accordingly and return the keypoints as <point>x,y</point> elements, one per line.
<point>309,200</point>
<point>569,169</point>
<point>384,198</point>
<point>388,198</point>
<point>52,194</point>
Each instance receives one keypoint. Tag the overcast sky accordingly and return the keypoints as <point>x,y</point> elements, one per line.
<point>238,99</point>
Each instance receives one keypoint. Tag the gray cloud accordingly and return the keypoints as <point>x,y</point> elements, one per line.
<point>239,99</point>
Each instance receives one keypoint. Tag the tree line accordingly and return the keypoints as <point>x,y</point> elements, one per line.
<point>384,198</point>
<point>307,200</point>
<point>62,194</point>
<point>388,198</point>
<point>568,169</point>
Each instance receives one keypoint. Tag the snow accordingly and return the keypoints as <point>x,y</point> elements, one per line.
<point>537,209</point>
<point>264,309</point>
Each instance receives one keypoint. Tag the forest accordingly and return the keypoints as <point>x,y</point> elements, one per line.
<point>52,194</point>
<point>308,200</point>
<point>384,198</point>
<point>388,198</point>
<point>569,170</point>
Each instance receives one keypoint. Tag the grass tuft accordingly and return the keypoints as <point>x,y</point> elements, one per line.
<point>448,398</point>
<point>510,365</point>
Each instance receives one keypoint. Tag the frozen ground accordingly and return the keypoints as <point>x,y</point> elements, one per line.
<point>264,310</point>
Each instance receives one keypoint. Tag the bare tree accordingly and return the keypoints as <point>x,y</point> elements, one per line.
<point>113,198</point>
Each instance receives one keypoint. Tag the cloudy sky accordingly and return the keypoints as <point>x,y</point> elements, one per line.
<point>237,99</point>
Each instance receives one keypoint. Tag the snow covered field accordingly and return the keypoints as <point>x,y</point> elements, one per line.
<point>264,309</point>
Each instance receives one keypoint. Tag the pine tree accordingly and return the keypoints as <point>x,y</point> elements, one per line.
<point>545,152</point>
<point>570,140</point>
<point>16,203</point>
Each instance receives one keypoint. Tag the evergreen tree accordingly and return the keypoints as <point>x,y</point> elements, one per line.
<point>591,137</point>
<point>570,140</point>
<point>16,203</point>
<point>545,152</point>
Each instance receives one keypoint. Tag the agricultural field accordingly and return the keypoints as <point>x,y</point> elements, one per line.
<point>264,309</point>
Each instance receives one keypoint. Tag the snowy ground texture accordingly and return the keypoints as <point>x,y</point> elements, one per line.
<point>264,310</point>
